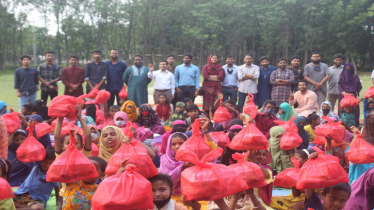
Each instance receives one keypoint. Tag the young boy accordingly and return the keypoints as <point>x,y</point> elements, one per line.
<point>193,113</point>
<point>27,109</point>
<point>187,101</point>
<point>35,191</point>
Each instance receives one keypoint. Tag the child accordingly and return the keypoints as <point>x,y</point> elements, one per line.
<point>27,109</point>
<point>108,116</point>
<point>149,119</point>
<point>178,126</point>
<point>187,101</point>
<point>314,120</point>
<point>281,158</point>
<point>45,140</point>
<point>120,119</point>
<point>348,116</point>
<point>163,108</point>
<point>79,195</point>
<point>35,191</point>
<point>95,135</point>
<point>129,108</point>
<point>41,109</point>
<point>178,114</point>
<point>230,106</point>
<point>193,113</point>
<point>226,157</point>
<point>3,108</point>
<point>5,170</point>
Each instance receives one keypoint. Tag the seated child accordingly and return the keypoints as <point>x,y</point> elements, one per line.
<point>45,140</point>
<point>178,126</point>
<point>120,119</point>
<point>41,109</point>
<point>281,159</point>
<point>313,120</point>
<point>193,113</point>
<point>129,108</point>
<point>163,108</point>
<point>95,135</point>
<point>3,108</point>
<point>35,191</point>
<point>149,119</point>
<point>79,195</point>
<point>187,101</point>
<point>109,115</point>
<point>27,110</point>
<point>226,157</point>
<point>5,170</point>
<point>178,114</point>
<point>230,106</point>
<point>348,116</point>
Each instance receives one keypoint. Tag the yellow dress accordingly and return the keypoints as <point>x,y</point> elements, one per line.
<point>283,202</point>
<point>310,131</point>
<point>78,195</point>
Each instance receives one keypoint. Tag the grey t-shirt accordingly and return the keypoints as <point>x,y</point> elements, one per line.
<point>317,76</point>
<point>333,87</point>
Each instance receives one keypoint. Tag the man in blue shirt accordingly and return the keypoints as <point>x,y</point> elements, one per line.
<point>26,82</point>
<point>187,79</point>
<point>264,80</point>
<point>230,83</point>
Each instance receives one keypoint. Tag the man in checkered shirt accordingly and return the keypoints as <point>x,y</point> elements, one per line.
<point>49,75</point>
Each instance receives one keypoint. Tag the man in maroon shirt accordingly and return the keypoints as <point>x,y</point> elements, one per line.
<point>73,77</point>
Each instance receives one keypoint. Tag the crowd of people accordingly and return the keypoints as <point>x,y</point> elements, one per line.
<point>308,96</point>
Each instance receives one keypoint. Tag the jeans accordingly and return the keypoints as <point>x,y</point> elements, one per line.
<point>30,99</point>
<point>187,92</point>
<point>229,93</point>
<point>44,95</point>
<point>113,94</point>
<point>242,97</point>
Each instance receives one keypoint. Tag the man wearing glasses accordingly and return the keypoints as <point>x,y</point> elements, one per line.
<point>317,74</point>
<point>230,83</point>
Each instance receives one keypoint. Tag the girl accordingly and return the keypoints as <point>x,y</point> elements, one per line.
<point>348,116</point>
<point>327,110</point>
<point>3,108</point>
<point>108,116</point>
<point>163,108</point>
<point>226,157</point>
<point>338,150</point>
<point>129,108</point>
<point>143,134</point>
<point>281,158</point>
<point>179,114</point>
<point>264,121</point>
<point>230,106</point>
<point>300,123</point>
<point>178,126</point>
<point>120,119</point>
<point>5,170</point>
<point>286,112</point>
<point>313,120</point>
<point>95,135</point>
<point>149,119</point>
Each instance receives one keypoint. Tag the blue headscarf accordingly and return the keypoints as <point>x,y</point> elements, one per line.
<point>36,117</point>
<point>2,105</point>
<point>302,133</point>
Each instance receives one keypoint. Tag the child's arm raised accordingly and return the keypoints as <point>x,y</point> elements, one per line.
<point>58,145</point>
<point>217,102</point>
<point>106,112</point>
<point>86,130</point>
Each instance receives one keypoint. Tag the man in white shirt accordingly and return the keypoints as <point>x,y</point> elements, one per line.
<point>248,73</point>
<point>230,83</point>
<point>164,81</point>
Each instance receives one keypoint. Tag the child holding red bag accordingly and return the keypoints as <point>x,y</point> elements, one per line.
<point>230,106</point>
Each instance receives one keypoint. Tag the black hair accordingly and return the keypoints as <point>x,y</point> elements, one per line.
<point>236,122</point>
<point>114,49</point>
<point>179,128</point>
<point>164,178</point>
<point>97,51</point>
<point>25,56</point>
<point>338,187</point>
<point>101,162</point>
<point>248,55</point>
<point>264,58</point>
<point>312,117</point>
<point>295,57</point>
<point>230,101</point>
<point>189,55</point>
<point>167,101</point>
<point>303,154</point>
<point>164,61</point>
<point>270,102</point>
<point>114,107</point>
<point>338,55</point>
<point>91,111</point>
<point>191,107</point>
<point>306,82</point>
<point>78,137</point>
<point>170,55</point>
<point>281,59</point>
<point>179,135</point>
<point>140,56</point>
<point>74,56</point>
<point>20,132</point>
<point>316,52</point>
<point>50,153</point>
<point>5,167</point>
<point>185,100</point>
<point>29,107</point>
<point>49,52</point>
<point>229,56</point>
<point>215,54</point>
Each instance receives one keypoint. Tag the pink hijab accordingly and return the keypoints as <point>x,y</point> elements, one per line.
<point>122,115</point>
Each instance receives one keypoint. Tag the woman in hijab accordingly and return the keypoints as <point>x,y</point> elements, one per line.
<point>281,158</point>
<point>129,108</point>
<point>3,108</point>
<point>178,126</point>
<point>286,112</point>
<point>179,114</point>
<point>149,119</point>
<point>327,110</point>
<point>300,123</point>
<point>41,109</point>
<point>120,119</point>
<point>143,134</point>
<point>110,141</point>
<point>349,83</point>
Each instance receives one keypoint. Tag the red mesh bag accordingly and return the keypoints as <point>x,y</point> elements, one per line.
<point>5,190</point>
<point>323,171</point>
<point>370,92</point>
<point>289,125</point>
<point>360,151</point>
<point>12,122</point>
<point>221,114</point>
<point>93,93</point>
<point>137,155</point>
<point>222,139</point>
<point>126,190</point>
<point>71,166</point>
<point>65,122</point>
<point>195,143</point>
<point>290,140</point>
<point>348,101</point>
<point>288,177</point>
<point>123,93</point>
<point>250,172</point>
<point>249,138</point>
<point>331,130</point>
<point>319,140</point>
<point>102,97</point>
<point>64,106</point>
<point>199,181</point>
<point>250,108</point>
<point>42,129</point>
<point>31,150</point>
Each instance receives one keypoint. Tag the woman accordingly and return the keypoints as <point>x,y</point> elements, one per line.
<point>213,76</point>
<point>129,108</point>
<point>281,158</point>
<point>3,108</point>
<point>149,119</point>
<point>300,123</point>
<point>349,83</point>
<point>286,112</point>
<point>327,110</point>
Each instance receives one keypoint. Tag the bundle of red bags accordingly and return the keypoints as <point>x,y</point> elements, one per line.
<point>65,122</point>
<point>250,108</point>
<point>31,150</point>
<point>331,130</point>
<point>5,190</point>
<point>102,97</point>
<point>291,139</point>
<point>42,129</point>
<point>222,138</point>
<point>71,166</point>
<point>369,92</point>
<point>323,171</point>
<point>221,114</point>
<point>250,172</point>
<point>126,190</point>
<point>137,155</point>
<point>348,101</point>
<point>288,177</point>
<point>195,143</point>
<point>209,181</point>
<point>319,140</point>
<point>249,138</point>
<point>360,151</point>
<point>12,122</point>
<point>123,93</point>
<point>64,106</point>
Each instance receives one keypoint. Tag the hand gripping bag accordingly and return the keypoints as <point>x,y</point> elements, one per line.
<point>195,143</point>
<point>360,151</point>
<point>323,171</point>
<point>71,166</point>
<point>250,108</point>
<point>369,92</point>
<point>290,140</point>
<point>348,101</point>
<point>221,114</point>
<point>222,139</point>
<point>65,122</point>
<point>289,125</point>
<point>209,181</point>
<point>249,138</point>
<point>250,172</point>
<point>123,93</point>
<point>64,106</point>
<point>288,177</point>
<point>102,97</point>
<point>137,155</point>
<point>12,122</point>
<point>5,190</point>
<point>31,150</point>
<point>319,140</point>
<point>331,130</point>
<point>42,129</point>
<point>126,190</point>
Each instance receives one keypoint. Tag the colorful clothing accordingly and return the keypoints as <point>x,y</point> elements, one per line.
<point>25,199</point>
<point>307,103</point>
<point>7,204</point>
<point>264,84</point>
<point>281,93</point>
<point>78,196</point>
<point>176,116</point>
<point>152,121</point>
<point>338,150</point>
<point>3,140</point>
<point>284,202</point>
<point>310,131</point>
<point>137,80</point>
<point>331,113</point>
<point>163,111</point>
<point>289,112</point>
<point>349,119</point>
<point>129,108</point>
<point>107,152</point>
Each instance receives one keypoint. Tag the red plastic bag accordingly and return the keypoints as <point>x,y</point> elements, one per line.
<point>249,138</point>
<point>42,129</point>
<point>93,93</point>
<point>126,190</point>
<point>195,143</point>
<point>31,150</point>
<point>65,122</point>
<point>102,97</point>
<point>12,122</point>
<point>331,130</point>
<point>64,106</point>
<point>288,177</point>
<point>250,108</point>
<point>323,171</point>
<point>289,125</point>
<point>71,166</point>
<point>348,101</point>
<point>71,126</point>
<point>250,172</point>
<point>221,114</point>
<point>95,150</point>
<point>319,140</point>
<point>5,190</point>
<point>123,93</point>
<point>290,140</point>
<point>199,181</point>
<point>370,92</point>
<point>360,151</point>
<point>137,155</point>
<point>222,139</point>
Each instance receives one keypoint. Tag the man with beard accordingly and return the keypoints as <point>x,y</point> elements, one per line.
<point>297,71</point>
<point>306,99</point>
<point>281,79</point>
<point>73,78</point>
<point>136,78</point>
<point>95,72</point>
<point>49,75</point>
<point>264,80</point>
<point>317,74</point>
<point>187,79</point>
